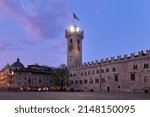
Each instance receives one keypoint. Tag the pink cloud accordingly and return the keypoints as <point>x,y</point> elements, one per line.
<point>42,18</point>
<point>4,46</point>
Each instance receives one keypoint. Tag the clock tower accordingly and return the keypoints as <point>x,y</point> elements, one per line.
<point>74,38</point>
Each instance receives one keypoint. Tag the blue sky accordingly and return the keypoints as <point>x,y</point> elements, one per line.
<point>33,30</point>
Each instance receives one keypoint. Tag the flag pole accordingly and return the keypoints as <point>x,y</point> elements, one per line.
<point>73,20</point>
<point>75,17</point>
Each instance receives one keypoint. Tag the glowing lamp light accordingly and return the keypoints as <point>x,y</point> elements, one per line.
<point>39,89</point>
<point>12,72</point>
<point>72,28</point>
<point>77,29</point>
<point>21,89</point>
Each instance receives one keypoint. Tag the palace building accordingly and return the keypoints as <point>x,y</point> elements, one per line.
<point>31,78</point>
<point>115,74</point>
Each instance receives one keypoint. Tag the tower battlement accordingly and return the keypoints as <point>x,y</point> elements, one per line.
<point>74,30</point>
<point>68,33</point>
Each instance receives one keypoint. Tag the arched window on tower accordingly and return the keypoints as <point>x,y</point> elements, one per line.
<point>70,41</point>
<point>78,41</point>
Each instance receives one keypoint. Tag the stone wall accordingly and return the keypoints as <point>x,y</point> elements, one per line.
<point>117,74</point>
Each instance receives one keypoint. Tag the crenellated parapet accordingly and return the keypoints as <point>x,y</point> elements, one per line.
<point>113,59</point>
<point>74,30</point>
<point>119,57</point>
<point>148,52</point>
<point>125,56</point>
<point>132,55</point>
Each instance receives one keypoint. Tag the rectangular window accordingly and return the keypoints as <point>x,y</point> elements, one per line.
<point>107,70</point>
<point>70,75</point>
<point>81,73</point>
<point>76,82</point>
<point>71,82</point>
<point>132,77</point>
<point>89,73</point>
<point>97,71</point>
<point>135,67</point>
<point>146,65</point>
<point>102,71</point>
<point>81,82</point>
<point>114,69</point>
<point>116,78</point>
<point>96,80</point>
<point>93,72</point>
<point>91,81</point>
<point>29,82</point>
<point>85,81</point>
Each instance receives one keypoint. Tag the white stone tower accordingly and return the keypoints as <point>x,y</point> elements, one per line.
<point>74,38</point>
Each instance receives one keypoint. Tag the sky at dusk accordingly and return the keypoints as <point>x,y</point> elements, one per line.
<point>33,30</point>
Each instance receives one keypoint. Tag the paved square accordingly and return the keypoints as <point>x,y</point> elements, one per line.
<point>72,96</point>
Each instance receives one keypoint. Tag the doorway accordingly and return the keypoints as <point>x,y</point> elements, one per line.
<point>146,91</point>
<point>108,89</point>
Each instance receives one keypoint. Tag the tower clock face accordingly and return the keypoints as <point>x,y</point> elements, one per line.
<point>70,47</point>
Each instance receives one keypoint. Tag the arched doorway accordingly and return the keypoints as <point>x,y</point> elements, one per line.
<point>146,90</point>
<point>92,90</point>
<point>108,89</point>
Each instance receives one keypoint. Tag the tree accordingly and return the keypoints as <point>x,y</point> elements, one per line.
<point>61,77</point>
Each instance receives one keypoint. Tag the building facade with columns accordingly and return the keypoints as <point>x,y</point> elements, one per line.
<point>116,74</point>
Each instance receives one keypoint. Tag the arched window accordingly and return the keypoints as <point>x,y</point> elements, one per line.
<point>70,41</point>
<point>78,41</point>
